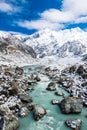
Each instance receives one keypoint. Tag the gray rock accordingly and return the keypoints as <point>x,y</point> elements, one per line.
<point>66,82</point>
<point>38,112</point>
<point>59,93</point>
<point>25,98</point>
<point>35,77</point>
<point>18,71</point>
<point>1,122</point>
<point>51,86</point>
<point>71,105</point>
<point>30,106</point>
<point>23,112</point>
<point>80,70</point>
<point>13,124</point>
<point>74,124</point>
<point>55,102</point>
<point>11,121</point>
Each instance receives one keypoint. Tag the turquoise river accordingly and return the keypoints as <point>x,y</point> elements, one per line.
<point>54,120</point>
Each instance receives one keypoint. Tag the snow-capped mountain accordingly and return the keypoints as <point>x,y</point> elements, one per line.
<point>75,48</point>
<point>61,43</point>
<point>47,42</point>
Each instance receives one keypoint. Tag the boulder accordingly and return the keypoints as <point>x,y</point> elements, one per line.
<point>23,112</point>
<point>13,124</point>
<point>66,82</point>
<point>71,105</point>
<point>84,75</point>
<point>47,68</point>
<point>38,112</point>
<point>35,77</point>
<point>19,71</point>
<point>51,86</point>
<point>59,93</point>
<point>25,98</point>
<point>80,70</point>
<point>11,121</point>
<point>72,69</point>
<point>74,124</point>
<point>84,84</point>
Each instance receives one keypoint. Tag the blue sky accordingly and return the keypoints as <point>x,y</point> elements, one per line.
<point>28,16</point>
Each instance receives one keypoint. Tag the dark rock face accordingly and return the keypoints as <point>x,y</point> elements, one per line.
<point>71,105</point>
<point>27,49</point>
<point>80,69</point>
<point>51,86</point>
<point>18,71</point>
<point>72,69</point>
<point>3,47</point>
<point>38,112</point>
<point>1,122</point>
<point>84,57</point>
<point>11,44</point>
<point>74,124</point>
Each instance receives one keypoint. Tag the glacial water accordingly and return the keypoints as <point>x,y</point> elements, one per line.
<point>54,120</point>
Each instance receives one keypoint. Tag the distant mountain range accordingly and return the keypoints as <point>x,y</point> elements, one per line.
<point>70,42</point>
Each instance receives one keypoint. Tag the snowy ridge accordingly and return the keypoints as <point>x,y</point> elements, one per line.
<point>50,45</point>
<point>61,43</point>
<point>72,48</point>
<point>46,36</point>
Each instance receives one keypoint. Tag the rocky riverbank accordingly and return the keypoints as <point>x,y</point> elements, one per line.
<point>16,86</point>
<point>14,100</point>
<point>72,79</point>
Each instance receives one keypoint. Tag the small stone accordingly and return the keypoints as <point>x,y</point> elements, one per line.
<point>55,102</point>
<point>18,71</point>
<point>58,93</point>
<point>30,106</point>
<point>51,86</point>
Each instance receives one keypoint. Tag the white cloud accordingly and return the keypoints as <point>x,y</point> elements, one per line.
<point>8,8</point>
<point>72,12</point>
<point>4,7</point>
<point>40,24</point>
<point>76,7</point>
<point>55,15</point>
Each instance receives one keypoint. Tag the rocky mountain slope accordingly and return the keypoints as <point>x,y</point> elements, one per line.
<point>13,51</point>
